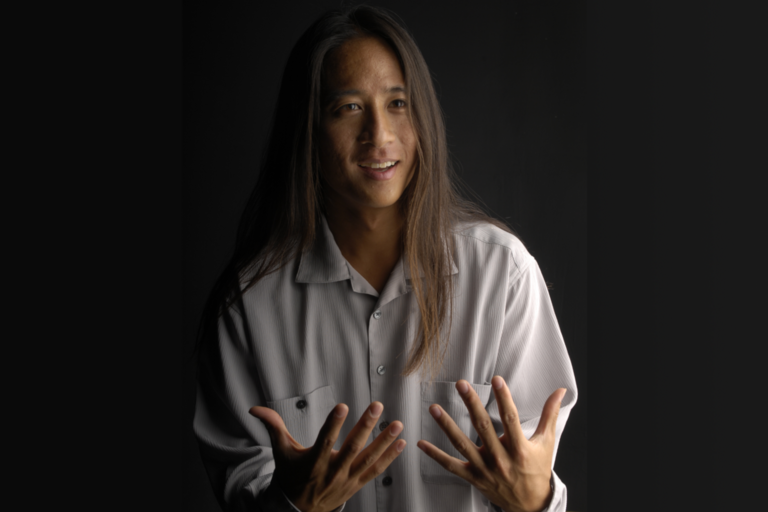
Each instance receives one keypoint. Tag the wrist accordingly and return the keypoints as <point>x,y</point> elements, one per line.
<point>540,506</point>
<point>550,493</point>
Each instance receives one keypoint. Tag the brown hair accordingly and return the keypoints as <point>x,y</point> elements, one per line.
<point>282,214</point>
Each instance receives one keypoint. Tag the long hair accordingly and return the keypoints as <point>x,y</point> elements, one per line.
<point>282,215</point>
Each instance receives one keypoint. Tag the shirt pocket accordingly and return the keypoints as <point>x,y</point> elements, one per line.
<point>445,395</point>
<point>305,414</point>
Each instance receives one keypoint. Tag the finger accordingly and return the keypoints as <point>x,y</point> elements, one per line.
<point>479,416</point>
<point>383,462</point>
<point>548,422</point>
<point>456,436</point>
<point>369,456</point>
<point>451,464</point>
<point>278,433</point>
<point>510,419</point>
<point>329,432</point>
<point>359,434</point>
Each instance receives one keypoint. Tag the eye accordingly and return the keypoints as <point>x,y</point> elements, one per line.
<point>350,106</point>
<point>399,103</point>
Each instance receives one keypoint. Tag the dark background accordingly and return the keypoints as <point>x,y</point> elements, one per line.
<point>512,81</point>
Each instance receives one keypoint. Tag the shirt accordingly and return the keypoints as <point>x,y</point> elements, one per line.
<point>316,333</point>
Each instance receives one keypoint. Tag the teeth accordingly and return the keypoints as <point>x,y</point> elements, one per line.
<point>380,166</point>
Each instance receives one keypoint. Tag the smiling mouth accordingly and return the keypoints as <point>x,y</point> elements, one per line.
<point>380,167</point>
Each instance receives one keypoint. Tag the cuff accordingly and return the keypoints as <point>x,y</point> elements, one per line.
<point>297,510</point>
<point>559,495</point>
<point>272,499</point>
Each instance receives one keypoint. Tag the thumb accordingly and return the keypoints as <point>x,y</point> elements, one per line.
<point>278,433</point>
<point>548,421</point>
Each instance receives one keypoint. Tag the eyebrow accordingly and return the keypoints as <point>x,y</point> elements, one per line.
<point>332,96</point>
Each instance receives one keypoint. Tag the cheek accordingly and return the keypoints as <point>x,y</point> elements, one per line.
<point>334,148</point>
<point>329,158</point>
<point>408,139</point>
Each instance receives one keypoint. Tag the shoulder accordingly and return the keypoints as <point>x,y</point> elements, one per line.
<point>485,238</point>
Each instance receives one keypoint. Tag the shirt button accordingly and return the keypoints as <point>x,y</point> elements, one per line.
<point>383,425</point>
<point>380,370</point>
<point>387,481</point>
<point>301,404</point>
<point>377,314</point>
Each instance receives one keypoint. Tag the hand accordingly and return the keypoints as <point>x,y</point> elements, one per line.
<point>511,471</point>
<point>319,478</point>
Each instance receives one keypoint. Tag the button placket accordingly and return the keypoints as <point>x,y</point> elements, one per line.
<point>386,338</point>
<point>373,347</point>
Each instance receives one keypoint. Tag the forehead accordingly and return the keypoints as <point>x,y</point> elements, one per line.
<point>362,63</point>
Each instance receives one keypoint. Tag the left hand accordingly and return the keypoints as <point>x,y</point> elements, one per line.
<point>511,471</point>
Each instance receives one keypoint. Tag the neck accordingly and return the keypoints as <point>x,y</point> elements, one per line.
<point>367,236</point>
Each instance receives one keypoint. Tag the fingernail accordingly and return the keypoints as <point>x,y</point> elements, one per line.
<point>498,382</point>
<point>435,411</point>
<point>396,429</point>
<point>400,445</point>
<point>462,387</point>
<point>376,409</point>
<point>341,411</point>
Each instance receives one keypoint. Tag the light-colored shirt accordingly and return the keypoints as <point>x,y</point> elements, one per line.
<point>316,334</point>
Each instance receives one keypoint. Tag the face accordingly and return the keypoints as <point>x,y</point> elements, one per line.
<point>365,125</point>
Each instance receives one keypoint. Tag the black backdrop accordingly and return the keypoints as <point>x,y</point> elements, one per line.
<point>511,80</point>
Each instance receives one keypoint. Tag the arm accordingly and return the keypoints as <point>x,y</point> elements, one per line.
<point>534,390</point>
<point>235,448</point>
<point>534,361</point>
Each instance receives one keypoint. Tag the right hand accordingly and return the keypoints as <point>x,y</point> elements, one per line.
<point>319,478</point>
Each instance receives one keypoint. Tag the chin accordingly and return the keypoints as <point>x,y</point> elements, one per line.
<point>385,202</point>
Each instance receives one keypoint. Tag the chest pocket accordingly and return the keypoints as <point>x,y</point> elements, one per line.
<point>445,395</point>
<point>305,414</point>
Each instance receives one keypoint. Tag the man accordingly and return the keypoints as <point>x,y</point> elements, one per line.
<point>363,285</point>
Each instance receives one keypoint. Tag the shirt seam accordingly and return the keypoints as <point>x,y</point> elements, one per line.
<point>520,270</point>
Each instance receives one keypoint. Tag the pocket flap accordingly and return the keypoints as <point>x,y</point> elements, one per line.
<point>305,414</point>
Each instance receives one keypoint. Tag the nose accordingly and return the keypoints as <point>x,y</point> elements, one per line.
<point>377,128</point>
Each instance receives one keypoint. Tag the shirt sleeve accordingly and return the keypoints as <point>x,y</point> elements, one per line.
<point>235,447</point>
<point>534,361</point>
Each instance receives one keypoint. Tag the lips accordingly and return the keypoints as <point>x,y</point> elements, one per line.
<point>380,174</point>
<point>378,164</point>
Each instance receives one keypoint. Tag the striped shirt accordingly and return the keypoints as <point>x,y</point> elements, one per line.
<point>316,333</point>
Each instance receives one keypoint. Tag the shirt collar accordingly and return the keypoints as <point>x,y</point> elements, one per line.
<point>407,269</point>
<point>324,263</point>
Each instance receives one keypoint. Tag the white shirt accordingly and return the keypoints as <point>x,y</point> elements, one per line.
<point>316,334</point>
